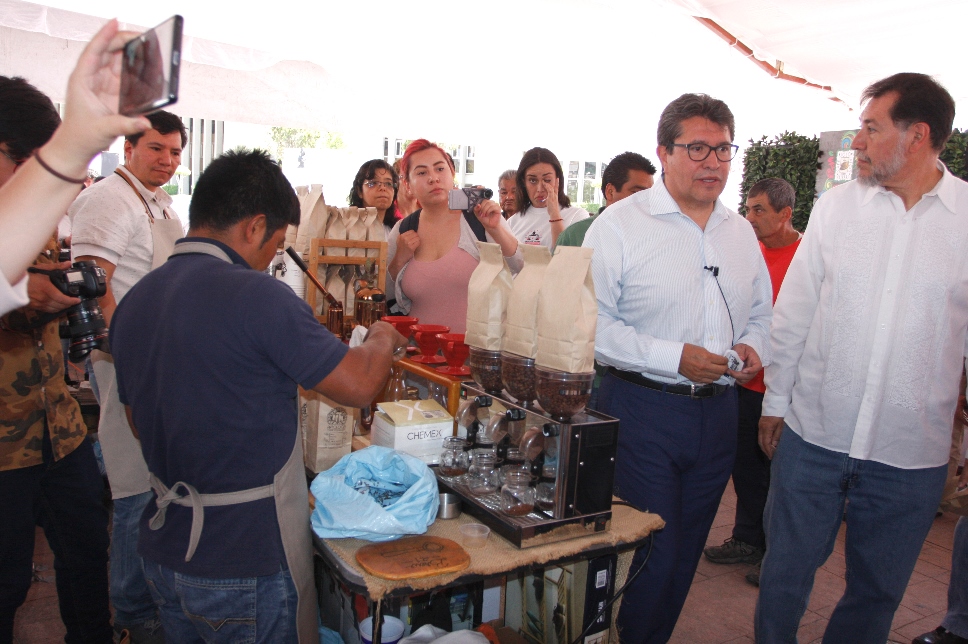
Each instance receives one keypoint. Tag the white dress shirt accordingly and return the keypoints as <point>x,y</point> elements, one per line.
<point>870,325</point>
<point>13,296</point>
<point>654,294</point>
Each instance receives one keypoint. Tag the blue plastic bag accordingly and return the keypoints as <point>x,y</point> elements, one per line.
<point>376,494</point>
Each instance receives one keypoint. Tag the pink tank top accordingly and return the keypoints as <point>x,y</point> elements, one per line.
<point>438,289</point>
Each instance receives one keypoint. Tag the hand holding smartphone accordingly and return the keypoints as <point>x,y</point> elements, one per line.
<point>150,66</point>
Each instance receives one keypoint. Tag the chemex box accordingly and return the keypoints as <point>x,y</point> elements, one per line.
<point>415,427</point>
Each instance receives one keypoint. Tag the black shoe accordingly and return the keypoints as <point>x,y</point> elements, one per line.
<point>753,576</point>
<point>940,635</point>
<point>734,551</point>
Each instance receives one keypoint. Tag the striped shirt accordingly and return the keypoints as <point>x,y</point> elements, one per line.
<point>654,294</point>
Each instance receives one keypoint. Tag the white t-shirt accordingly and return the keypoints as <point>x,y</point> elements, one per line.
<point>532,227</point>
<point>109,221</point>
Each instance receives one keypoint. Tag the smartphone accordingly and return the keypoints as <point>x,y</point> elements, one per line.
<point>149,69</point>
<point>467,198</point>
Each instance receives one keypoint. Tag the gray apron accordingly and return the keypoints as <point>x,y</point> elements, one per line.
<point>288,489</point>
<point>123,460</point>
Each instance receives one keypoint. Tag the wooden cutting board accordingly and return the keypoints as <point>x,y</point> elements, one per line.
<point>410,557</point>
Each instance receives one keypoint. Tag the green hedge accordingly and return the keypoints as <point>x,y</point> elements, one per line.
<point>954,154</point>
<point>789,156</point>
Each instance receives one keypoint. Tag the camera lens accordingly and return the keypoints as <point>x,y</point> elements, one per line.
<point>87,329</point>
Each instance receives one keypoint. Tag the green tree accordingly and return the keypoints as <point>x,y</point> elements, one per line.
<point>955,152</point>
<point>293,137</point>
<point>789,156</point>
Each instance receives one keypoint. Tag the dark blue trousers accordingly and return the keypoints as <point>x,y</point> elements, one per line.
<point>751,473</point>
<point>675,455</point>
<point>65,498</point>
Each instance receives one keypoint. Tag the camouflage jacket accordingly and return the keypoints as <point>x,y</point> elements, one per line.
<point>32,388</point>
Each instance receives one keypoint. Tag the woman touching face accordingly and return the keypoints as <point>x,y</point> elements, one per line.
<point>541,181</point>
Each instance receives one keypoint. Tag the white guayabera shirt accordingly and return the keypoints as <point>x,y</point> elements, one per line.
<point>869,328</point>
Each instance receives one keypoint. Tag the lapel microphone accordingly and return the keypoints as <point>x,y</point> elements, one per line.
<point>712,269</point>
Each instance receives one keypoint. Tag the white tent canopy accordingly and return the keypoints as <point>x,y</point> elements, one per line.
<point>588,75</point>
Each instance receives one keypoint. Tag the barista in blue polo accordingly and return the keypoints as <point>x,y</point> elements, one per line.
<point>209,351</point>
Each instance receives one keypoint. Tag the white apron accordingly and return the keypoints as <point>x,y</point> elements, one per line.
<point>288,489</point>
<point>127,472</point>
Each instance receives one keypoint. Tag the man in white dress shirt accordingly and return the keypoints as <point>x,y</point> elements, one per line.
<point>869,339</point>
<point>680,280</point>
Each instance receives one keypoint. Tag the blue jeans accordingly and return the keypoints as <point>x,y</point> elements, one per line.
<point>956,620</point>
<point>64,498</point>
<point>674,458</point>
<point>889,513</point>
<point>237,611</point>
<point>130,596</point>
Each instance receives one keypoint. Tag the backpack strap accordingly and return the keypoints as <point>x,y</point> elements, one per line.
<point>410,222</point>
<point>476,225</point>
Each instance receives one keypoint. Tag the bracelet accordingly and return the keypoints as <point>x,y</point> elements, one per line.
<point>54,172</point>
<point>555,221</point>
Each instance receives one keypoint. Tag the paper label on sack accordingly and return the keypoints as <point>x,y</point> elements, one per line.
<point>414,412</point>
<point>567,313</point>
<point>521,322</point>
<point>487,299</point>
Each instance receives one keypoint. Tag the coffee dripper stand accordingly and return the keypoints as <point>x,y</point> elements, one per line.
<point>573,460</point>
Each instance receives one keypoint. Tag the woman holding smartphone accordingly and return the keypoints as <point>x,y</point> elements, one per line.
<point>545,210</point>
<point>430,263</point>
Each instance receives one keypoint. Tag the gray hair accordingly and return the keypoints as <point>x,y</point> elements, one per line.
<point>779,193</point>
<point>688,106</point>
<point>507,175</point>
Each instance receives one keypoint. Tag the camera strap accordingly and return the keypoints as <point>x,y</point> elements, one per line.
<point>140,196</point>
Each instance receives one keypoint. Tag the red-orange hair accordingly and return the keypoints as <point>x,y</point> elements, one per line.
<point>419,146</point>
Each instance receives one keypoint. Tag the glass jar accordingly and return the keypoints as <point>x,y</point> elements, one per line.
<point>512,462</point>
<point>545,493</point>
<point>454,460</point>
<point>482,476</point>
<point>517,495</point>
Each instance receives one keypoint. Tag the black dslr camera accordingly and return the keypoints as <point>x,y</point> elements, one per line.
<point>85,322</point>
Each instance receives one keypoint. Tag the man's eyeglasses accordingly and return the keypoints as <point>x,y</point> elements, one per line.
<point>700,151</point>
<point>17,162</point>
<point>383,184</point>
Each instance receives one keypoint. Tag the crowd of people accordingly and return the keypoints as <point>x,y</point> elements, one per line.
<point>851,340</point>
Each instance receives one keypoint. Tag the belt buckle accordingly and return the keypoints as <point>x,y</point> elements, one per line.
<point>692,390</point>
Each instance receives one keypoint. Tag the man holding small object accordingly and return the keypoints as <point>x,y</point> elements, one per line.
<point>209,350</point>
<point>680,282</point>
<point>869,339</point>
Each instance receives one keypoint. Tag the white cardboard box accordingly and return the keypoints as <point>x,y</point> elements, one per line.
<point>415,427</point>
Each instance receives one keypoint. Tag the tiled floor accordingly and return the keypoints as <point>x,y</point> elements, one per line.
<point>720,605</point>
<point>719,608</point>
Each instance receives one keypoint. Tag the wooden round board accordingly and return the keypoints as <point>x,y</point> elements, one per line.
<point>411,557</point>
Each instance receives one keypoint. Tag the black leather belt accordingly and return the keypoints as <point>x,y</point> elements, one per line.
<point>691,390</point>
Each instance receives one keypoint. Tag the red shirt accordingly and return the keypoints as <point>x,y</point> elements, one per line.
<point>777,262</point>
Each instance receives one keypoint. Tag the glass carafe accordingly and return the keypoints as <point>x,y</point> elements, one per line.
<point>454,460</point>
<point>517,495</point>
<point>482,477</point>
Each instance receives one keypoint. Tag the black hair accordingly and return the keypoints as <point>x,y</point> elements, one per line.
<point>27,117</point>
<point>533,157</point>
<point>366,172</point>
<point>920,99</point>
<point>165,123</point>
<point>238,185</point>
<point>778,192</point>
<point>617,170</point>
<point>688,106</point>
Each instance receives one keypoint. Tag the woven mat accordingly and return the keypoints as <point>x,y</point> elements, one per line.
<point>500,555</point>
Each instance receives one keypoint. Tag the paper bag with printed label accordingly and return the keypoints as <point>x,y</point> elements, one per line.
<point>327,429</point>
<point>487,299</point>
<point>521,323</point>
<point>567,312</point>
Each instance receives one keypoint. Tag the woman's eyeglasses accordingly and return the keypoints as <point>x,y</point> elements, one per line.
<point>382,184</point>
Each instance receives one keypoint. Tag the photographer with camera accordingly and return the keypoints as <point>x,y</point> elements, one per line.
<point>48,473</point>
<point>126,225</point>
<point>432,266</point>
<point>47,179</point>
